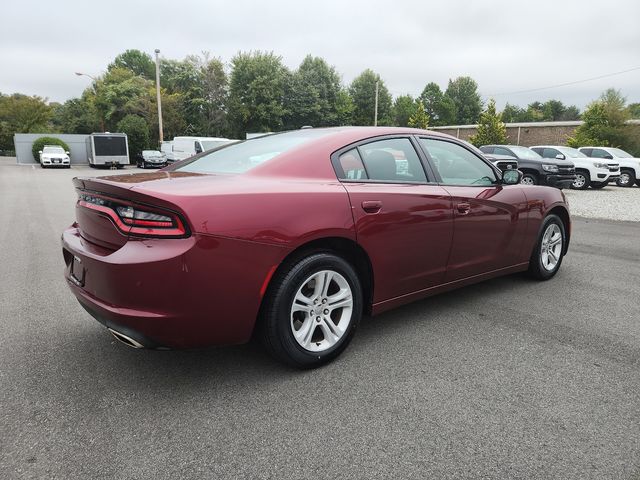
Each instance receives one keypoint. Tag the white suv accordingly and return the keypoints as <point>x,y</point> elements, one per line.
<point>629,166</point>
<point>54,155</point>
<point>589,171</point>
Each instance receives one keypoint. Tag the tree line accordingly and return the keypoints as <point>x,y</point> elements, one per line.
<point>257,93</point>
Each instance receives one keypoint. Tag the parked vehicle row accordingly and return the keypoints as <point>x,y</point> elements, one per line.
<point>562,167</point>
<point>629,165</point>
<point>535,170</point>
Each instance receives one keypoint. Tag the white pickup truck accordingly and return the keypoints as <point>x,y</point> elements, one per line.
<point>629,165</point>
<point>589,171</point>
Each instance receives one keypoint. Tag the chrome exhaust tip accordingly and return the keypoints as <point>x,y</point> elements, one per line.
<point>122,338</point>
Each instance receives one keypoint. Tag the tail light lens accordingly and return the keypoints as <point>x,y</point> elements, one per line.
<point>134,219</point>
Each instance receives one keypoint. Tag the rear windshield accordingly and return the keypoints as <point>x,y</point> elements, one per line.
<point>243,156</point>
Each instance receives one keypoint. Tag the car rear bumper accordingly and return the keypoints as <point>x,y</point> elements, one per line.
<point>171,293</point>
<point>560,181</point>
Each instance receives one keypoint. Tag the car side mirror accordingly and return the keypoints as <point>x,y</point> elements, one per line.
<point>66,152</point>
<point>511,177</point>
<point>39,151</point>
<point>560,156</point>
<point>608,157</point>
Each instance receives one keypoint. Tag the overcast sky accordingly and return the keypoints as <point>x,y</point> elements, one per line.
<point>506,46</point>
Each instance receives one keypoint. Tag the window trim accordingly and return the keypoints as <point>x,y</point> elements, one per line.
<point>337,167</point>
<point>495,169</point>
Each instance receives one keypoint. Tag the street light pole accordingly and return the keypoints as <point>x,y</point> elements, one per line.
<point>95,83</point>
<point>158,94</point>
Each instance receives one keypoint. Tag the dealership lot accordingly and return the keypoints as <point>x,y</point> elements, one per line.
<point>510,378</point>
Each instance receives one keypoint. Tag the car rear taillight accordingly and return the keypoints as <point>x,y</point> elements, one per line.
<point>134,219</point>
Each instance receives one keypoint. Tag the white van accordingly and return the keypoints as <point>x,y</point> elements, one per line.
<point>185,147</point>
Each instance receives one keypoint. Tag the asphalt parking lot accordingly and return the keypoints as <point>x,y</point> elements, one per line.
<point>507,379</point>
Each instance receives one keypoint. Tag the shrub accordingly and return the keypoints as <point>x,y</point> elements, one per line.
<point>42,141</point>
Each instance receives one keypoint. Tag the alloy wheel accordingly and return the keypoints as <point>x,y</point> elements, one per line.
<point>579,181</point>
<point>321,311</point>
<point>624,179</point>
<point>551,247</point>
<point>527,181</point>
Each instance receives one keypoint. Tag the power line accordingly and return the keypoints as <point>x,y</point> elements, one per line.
<point>566,84</point>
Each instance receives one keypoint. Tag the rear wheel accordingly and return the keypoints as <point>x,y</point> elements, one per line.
<point>627,178</point>
<point>529,179</point>
<point>582,180</point>
<point>311,310</point>
<point>547,255</point>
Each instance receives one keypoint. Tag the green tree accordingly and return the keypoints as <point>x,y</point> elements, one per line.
<point>513,114</point>
<point>137,62</point>
<point>403,107</point>
<point>604,123</point>
<point>313,95</point>
<point>137,131</point>
<point>491,129</point>
<point>256,92</point>
<point>463,91</point>
<point>119,93</point>
<point>22,114</point>
<point>440,108</point>
<point>571,113</point>
<point>553,110</point>
<point>77,115</point>
<point>633,109</point>
<point>344,108</point>
<point>363,93</point>
<point>420,118</point>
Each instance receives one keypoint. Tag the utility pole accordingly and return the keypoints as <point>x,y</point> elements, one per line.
<point>161,137</point>
<point>375,118</point>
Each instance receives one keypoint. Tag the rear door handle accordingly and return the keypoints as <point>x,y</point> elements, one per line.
<point>372,206</point>
<point>463,208</point>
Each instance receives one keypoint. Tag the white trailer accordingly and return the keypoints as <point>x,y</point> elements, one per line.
<point>108,149</point>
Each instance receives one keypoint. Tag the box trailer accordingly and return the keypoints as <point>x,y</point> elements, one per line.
<point>109,149</point>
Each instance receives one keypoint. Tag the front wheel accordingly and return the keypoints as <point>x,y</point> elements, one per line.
<point>529,179</point>
<point>311,310</point>
<point>626,179</point>
<point>582,181</point>
<point>547,255</point>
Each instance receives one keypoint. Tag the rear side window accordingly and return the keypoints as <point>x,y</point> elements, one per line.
<point>457,165</point>
<point>352,166</point>
<point>586,151</point>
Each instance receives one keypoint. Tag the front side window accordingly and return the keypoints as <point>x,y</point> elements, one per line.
<point>502,151</point>
<point>392,160</point>
<point>549,152</point>
<point>598,153</point>
<point>457,165</point>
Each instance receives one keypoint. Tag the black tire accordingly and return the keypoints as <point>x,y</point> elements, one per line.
<point>627,178</point>
<point>582,181</point>
<point>537,269</point>
<point>638,183</point>
<point>598,185</point>
<point>275,327</point>
<point>529,179</point>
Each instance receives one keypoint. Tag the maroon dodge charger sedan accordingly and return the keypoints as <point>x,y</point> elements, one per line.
<point>294,236</point>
